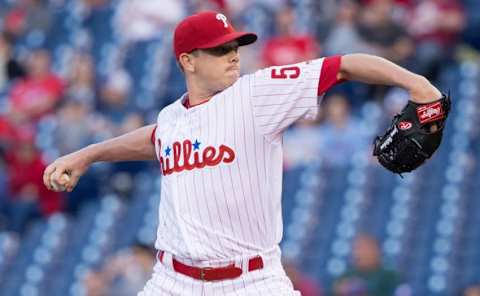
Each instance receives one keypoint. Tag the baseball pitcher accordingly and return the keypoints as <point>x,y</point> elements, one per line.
<point>219,148</point>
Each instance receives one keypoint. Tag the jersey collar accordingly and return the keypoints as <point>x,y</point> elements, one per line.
<point>186,102</point>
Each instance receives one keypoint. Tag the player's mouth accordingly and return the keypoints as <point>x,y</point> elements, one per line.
<point>234,70</point>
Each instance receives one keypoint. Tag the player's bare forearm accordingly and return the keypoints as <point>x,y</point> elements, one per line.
<point>135,145</point>
<point>376,70</point>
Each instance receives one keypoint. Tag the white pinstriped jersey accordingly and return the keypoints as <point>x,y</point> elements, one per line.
<point>221,161</point>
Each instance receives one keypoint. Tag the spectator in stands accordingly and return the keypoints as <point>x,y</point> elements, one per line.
<point>10,69</point>
<point>75,125</point>
<point>78,120</point>
<point>435,25</point>
<point>288,46</point>
<point>37,94</point>
<point>115,104</point>
<point>14,22</point>
<point>114,95</point>
<point>325,13</point>
<point>29,198</point>
<point>38,15</point>
<point>384,36</point>
<point>301,282</point>
<point>81,79</point>
<point>304,134</point>
<point>139,20</point>
<point>343,37</point>
<point>124,274</point>
<point>367,276</point>
<point>27,16</point>
<point>339,131</point>
<point>472,291</point>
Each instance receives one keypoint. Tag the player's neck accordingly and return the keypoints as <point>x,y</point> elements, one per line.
<point>198,95</point>
<point>197,98</point>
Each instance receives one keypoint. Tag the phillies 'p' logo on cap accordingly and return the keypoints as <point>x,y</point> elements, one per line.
<point>207,30</point>
<point>222,18</point>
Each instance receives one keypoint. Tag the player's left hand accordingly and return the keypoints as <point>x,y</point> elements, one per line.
<point>413,136</point>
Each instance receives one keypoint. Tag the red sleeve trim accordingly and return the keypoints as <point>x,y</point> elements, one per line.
<point>328,74</point>
<point>152,137</point>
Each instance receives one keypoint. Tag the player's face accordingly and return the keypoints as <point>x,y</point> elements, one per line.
<point>219,66</point>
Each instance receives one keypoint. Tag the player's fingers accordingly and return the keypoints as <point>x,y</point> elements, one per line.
<point>56,177</point>
<point>63,179</point>
<point>73,181</point>
<point>47,175</point>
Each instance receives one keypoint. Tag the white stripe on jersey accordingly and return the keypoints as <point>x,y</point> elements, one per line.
<point>222,163</point>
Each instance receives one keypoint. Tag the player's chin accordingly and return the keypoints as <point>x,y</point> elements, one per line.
<point>235,73</point>
<point>232,77</point>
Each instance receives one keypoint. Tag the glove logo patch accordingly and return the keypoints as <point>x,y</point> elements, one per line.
<point>404,125</point>
<point>389,140</point>
<point>430,112</point>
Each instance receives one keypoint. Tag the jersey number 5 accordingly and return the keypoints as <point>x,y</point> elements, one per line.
<point>285,72</point>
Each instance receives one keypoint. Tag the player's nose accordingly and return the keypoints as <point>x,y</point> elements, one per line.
<point>234,56</point>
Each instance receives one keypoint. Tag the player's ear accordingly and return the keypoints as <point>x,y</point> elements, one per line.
<point>186,62</point>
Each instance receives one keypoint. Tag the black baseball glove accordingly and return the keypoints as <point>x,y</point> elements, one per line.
<point>413,135</point>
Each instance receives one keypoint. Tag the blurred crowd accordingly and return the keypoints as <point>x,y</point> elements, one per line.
<point>123,274</point>
<point>47,111</point>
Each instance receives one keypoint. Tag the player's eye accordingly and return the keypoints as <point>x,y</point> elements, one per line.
<point>222,49</point>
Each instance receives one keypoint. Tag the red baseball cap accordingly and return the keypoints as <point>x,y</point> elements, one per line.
<point>206,30</point>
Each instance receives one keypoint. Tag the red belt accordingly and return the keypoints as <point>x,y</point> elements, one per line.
<point>209,274</point>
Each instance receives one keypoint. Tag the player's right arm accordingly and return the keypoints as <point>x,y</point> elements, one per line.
<point>135,145</point>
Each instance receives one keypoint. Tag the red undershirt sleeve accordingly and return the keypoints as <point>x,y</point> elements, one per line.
<point>329,73</point>
<point>152,137</point>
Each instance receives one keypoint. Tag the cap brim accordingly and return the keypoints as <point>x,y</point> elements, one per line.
<point>243,38</point>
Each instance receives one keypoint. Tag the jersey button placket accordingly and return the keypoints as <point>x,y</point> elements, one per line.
<point>193,121</point>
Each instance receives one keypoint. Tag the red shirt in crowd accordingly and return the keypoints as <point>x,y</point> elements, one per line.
<point>428,21</point>
<point>25,179</point>
<point>28,94</point>
<point>285,50</point>
<point>7,131</point>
